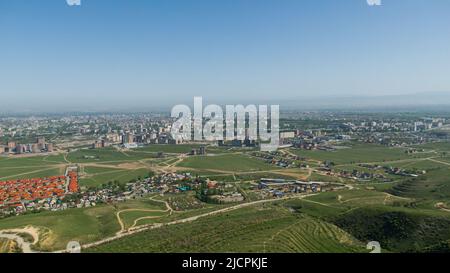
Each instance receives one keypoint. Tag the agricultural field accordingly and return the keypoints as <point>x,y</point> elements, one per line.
<point>106,155</point>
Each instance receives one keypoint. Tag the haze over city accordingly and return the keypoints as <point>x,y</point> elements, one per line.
<point>110,55</point>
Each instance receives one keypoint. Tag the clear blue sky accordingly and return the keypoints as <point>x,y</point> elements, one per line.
<point>135,52</point>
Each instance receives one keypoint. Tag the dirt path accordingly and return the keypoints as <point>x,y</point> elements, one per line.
<point>121,151</point>
<point>12,234</point>
<point>438,161</point>
<point>122,225</point>
<point>144,218</point>
<point>65,158</point>
<point>189,219</point>
<point>318,203</point>
<point>161,201</point>
<point>441,206</point>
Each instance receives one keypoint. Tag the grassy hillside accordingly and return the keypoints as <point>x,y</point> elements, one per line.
<point>397,230</point>
<point>58,228</point>
<point>265,228</point>
<point>432,187</point>
<point>84,225</point>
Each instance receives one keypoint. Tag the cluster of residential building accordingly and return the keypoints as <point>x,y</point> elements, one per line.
<point>281,187</point>
<point>377,172</point>
<point>39,146</point>
<point>17,196</point>
<point>280,159</point>
<point>138,135</point>
<point>305,130</point>
<point>362,175</point>
<point>218,192</point>
<point>24,190</point>
<point>63,192</point>
<point>113,192</point>
<point>403,172</point>
<point>393,170</point>
<point>390,130</point>
<point>380,125</point>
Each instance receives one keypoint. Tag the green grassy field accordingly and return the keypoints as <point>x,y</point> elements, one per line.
<point>99,176</point>
<point>84,225</point>
<point>58,228</point>
<point>105,155</point>
<point>132,210</point>
<point>7,173</point>
<point>231,162</point>
<point>423,164</point>
<point>30,167</point>
<point>323,178</point>
<point>175,149</point>
<point>42,172</point>
<point>357,153</point>
<point>36,161</point>
<point>437,146</point>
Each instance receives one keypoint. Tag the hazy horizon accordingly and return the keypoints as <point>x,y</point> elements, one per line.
<point>113,54</point>
<point>434,102</point>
